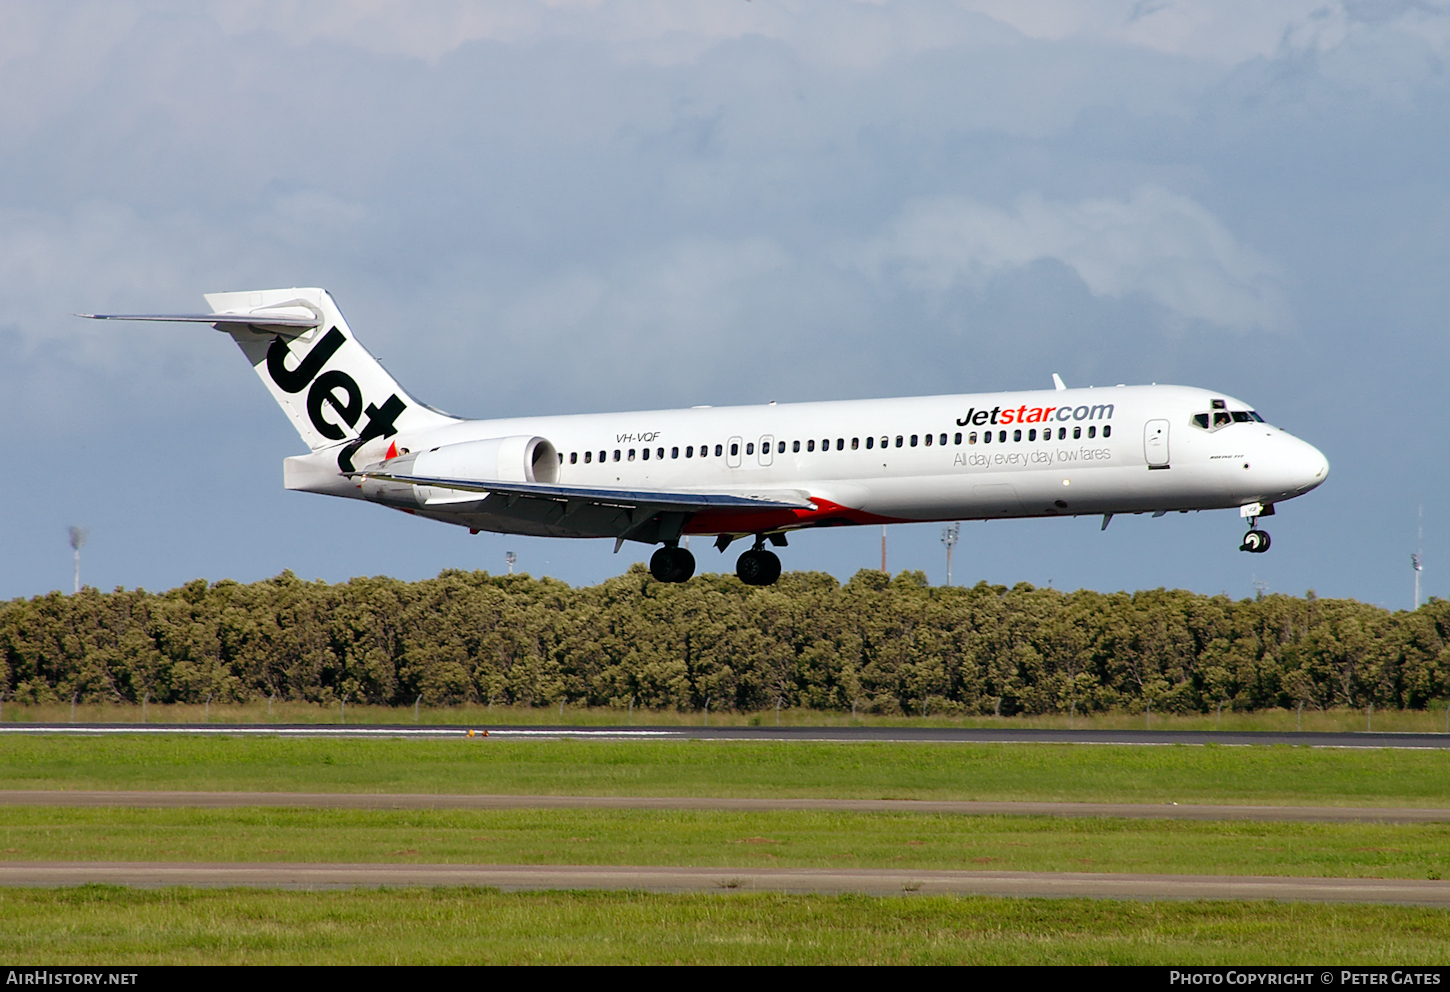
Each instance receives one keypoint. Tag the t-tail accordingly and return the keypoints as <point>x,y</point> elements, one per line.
<point>339,397</point>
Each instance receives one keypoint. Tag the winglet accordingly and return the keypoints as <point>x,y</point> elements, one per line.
<point>1057,382</point>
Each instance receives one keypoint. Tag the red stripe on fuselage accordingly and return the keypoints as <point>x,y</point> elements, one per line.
<point>826,514</point>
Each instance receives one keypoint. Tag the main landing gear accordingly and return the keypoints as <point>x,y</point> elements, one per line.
<point>759,567</point>
<point>672,564</point>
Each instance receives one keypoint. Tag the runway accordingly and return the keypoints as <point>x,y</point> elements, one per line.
<point>940,735</point>
<point>380,801</point>
<point>514,878</point>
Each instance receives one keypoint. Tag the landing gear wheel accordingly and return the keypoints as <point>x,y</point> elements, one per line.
<point>672,565</point>
<point>1255,542</point>
<point>757,567</point>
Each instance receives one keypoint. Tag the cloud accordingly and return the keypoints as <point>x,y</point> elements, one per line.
<point>1155,243</point>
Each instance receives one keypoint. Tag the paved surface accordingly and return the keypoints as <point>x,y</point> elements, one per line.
<point>338,800</point>
<point>672,879</point>
<point>483,732</point>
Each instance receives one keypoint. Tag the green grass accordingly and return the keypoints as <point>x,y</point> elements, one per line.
<point>115,926</point>
<point>790,839</point>
<point>1184,774</point>
<point>1433,720</point>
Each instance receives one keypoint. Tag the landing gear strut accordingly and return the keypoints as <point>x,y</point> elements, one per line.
<point>672,564</point>
<point>759,567</point>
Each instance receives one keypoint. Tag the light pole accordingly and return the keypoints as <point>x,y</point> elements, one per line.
<point>510,557</point>
<point>949,537</point>
<point>1415,564</point>
<point>77,538</point>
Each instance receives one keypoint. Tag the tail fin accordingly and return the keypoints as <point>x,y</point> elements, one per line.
<point>337,395</point>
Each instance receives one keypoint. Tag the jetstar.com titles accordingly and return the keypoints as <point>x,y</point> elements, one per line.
<point>1035,414</point>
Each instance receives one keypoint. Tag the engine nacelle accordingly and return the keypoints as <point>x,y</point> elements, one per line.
<point>521,458</point>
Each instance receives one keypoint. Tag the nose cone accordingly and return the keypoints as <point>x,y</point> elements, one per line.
<point>1304,465</point>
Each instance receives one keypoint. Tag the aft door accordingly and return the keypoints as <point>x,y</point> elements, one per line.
<point>732,453</point>
<point>767,450</point>
<point>1155,443</point>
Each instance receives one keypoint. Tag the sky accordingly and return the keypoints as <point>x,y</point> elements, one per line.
<point>562,207</point>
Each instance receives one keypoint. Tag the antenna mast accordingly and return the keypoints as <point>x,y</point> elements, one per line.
<point>949,537</point>
<point>510,557</point>
<point>77,538</point>
<point>1416,559</point>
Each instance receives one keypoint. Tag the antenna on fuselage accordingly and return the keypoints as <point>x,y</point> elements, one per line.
<point>1057,382</point>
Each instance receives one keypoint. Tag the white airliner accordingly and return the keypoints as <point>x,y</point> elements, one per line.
<point>752,471</point>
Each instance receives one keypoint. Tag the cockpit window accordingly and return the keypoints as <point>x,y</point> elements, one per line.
<point>1219,418</point>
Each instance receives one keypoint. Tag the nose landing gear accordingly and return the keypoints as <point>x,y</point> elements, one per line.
<point>1255,541</point>
<point>672,564</point>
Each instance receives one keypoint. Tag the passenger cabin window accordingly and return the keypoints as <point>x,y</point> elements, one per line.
<point>840,444</point>
<point>1032,435</point>
<point>1001,437</point>
<point>1092,432</point>
<point>1107,430</point>
<point>631,453</point>
<point>870,443</point>
<point>646,454</point>
<point>913,440</point>
<point>928,440</point>
<point>717,450</point>
<point>795,446</point>
<point>616,454</point>
<point>958,440</point>
<point>986,437</point>
<point>587,457</point>
<point>855,443</point>
<point>811,445</point>
<point>689,451</point>
<point>1017,435</point>
<point>734,449</point>
<point>944,439</point>
<point>898,440</point>
<point>749,448</point>
<point>780,447</point>
<point>674,452</point>
<point>972,438</point>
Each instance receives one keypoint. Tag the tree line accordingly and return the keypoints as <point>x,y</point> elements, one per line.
<point>877,643</point>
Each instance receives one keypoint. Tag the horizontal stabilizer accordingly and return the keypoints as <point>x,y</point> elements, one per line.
<point>295,318</point>
<point>632,498</point>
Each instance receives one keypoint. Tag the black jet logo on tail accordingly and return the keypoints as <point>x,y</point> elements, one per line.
<point>336,390</point>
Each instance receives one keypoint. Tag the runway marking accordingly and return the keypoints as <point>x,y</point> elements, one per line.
<point>513,878</point>
<point>146,799</point>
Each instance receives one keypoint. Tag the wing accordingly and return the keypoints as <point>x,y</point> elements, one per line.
<point>659,499</point>
<point>651,514</point>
